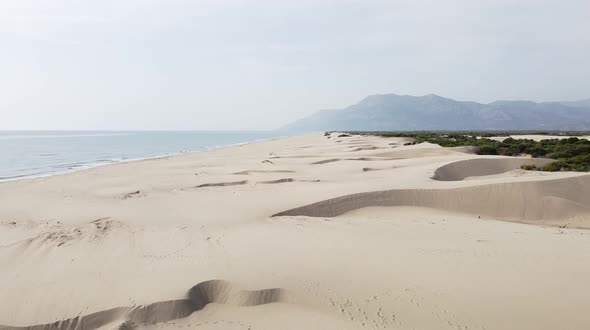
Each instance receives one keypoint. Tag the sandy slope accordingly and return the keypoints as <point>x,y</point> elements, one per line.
<point>300,233</point>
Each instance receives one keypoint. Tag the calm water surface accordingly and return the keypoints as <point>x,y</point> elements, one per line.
<point>38,153</point>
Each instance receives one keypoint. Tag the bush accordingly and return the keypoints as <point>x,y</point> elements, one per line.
<point>571,154</point>
<point>487,150</point>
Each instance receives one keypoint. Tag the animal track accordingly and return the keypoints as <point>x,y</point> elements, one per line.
<point>60,235</point>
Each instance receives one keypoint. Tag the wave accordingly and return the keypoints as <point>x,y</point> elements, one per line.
<point>43,159</point>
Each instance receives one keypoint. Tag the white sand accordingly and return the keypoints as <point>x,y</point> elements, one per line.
<point>371,234</point>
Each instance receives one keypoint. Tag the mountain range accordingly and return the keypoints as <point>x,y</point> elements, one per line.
<point>391,112</point>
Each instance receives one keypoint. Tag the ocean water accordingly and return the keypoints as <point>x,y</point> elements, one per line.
<point>25,154</point>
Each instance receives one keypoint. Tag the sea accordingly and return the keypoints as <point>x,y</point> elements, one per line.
<point>28,154</point>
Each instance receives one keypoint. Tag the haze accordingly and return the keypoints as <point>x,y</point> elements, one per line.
<point>230,65</point>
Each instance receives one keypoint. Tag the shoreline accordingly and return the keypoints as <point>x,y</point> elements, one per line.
<point>123,161</point>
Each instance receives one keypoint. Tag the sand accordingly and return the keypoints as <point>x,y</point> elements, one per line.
<point>307,232</point>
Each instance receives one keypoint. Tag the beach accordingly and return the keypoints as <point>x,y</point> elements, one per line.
<point>309,232</point>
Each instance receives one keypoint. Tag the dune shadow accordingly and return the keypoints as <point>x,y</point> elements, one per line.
<point>199,296</point>
<point>516,201</point>
<point>460,170</point>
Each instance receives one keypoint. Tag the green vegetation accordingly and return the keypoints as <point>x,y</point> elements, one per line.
<point>571,154</point>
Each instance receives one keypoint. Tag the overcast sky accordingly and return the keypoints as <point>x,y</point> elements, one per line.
<point>180,64</point>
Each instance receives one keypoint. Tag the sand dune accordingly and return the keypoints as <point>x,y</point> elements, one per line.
<point>202,294</point>
<point>365,242</point>
<point>460,170</point>
<point>421,152</point>
<point>523,201</point>
<point>465,149</point>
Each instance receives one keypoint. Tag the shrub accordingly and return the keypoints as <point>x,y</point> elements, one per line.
<point>487,149</point>
<point>571,154</point>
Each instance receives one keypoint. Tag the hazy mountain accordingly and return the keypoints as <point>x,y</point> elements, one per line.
<point>433,112</point>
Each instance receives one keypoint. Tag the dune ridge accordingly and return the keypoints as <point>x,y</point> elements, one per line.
<point>422,151</point>
<point>460,170</point>
<point>518,201</point>
<point>199,296</point>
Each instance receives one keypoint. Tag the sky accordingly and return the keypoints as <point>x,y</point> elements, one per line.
<point>250,65</point>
